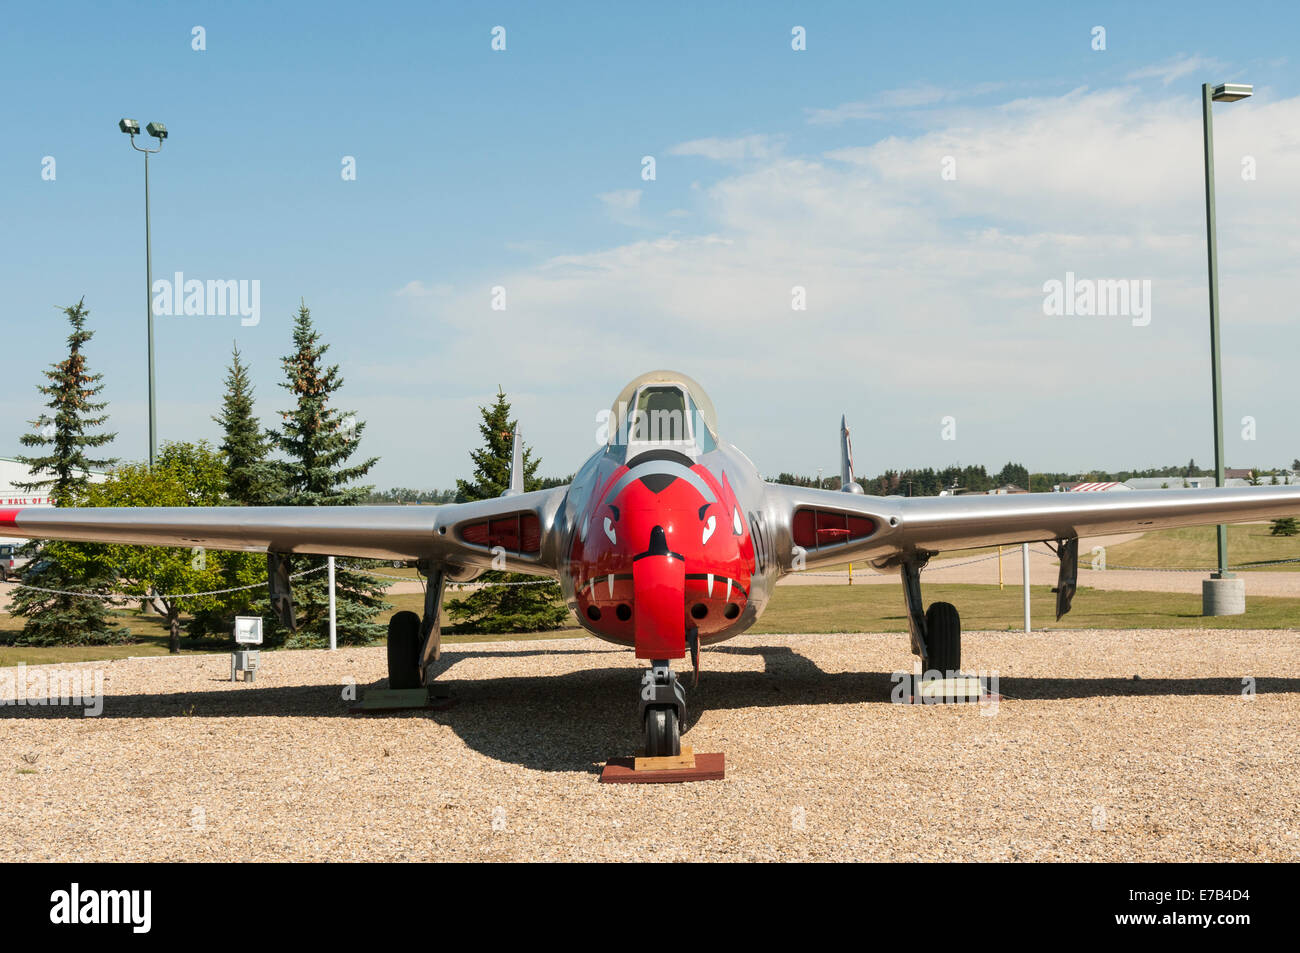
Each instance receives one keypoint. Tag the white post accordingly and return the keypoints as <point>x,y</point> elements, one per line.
<point>333,622</point>
<point>1024,559</point>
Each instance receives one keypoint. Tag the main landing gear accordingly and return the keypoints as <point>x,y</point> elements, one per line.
<point>936,632</point>
<point>663,708</point>
<point>404,650</point>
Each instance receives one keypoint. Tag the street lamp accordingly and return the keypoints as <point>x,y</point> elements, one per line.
<point>1222,593</point>
<point>158,131</point>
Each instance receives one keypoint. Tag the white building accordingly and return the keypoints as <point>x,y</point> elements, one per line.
<point>1169,483</point>
<point>12,475</point>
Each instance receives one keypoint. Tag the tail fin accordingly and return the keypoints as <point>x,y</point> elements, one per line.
<point>847,483</point>
<point>516,466</point>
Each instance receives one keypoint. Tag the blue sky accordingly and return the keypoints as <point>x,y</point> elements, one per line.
<point>775,168</point>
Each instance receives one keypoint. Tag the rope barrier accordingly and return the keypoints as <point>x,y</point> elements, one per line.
<point>122,596</point>
<point>942,564</point>
<point>1108,566</point>
<point>130,597</point>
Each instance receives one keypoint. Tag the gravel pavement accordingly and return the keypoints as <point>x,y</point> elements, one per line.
<point>1078,762</point>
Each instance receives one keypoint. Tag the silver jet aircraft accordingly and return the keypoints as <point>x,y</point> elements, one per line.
<point>667,540</point>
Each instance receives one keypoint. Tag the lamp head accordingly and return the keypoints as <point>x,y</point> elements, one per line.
<point>1231,92</point>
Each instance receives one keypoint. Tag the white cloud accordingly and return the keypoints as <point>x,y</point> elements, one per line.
<point>925,295</point>
<point>623,205</point>
<point>1176,68</point>
<point>892,100</point>
<point>729,150</point>
<point>418,289</point>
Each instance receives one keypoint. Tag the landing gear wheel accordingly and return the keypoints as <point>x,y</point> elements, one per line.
<point>404,650</point>
<point>943,637</point>
<point>663,737</point>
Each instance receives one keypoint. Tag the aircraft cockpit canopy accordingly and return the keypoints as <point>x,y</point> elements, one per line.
<point>662,410</point>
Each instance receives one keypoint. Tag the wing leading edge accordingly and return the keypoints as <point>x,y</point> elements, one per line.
<point>921,525</point>
<point>522,527</point>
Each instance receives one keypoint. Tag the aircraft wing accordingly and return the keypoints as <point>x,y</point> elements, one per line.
<point>522,526</point>
<point>831,526</point>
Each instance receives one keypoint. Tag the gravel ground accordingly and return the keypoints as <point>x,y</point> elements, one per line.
<point>1078,762</point>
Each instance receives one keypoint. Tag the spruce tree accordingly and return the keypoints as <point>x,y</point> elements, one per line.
<point>251,479</point>
<point>492,462</point>
<point>493,608</point>
<point>67,440</point>
<point>317,440</point>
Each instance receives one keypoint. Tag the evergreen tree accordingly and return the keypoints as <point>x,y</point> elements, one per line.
<point>1014,473</point>
<point>317,441</point>
<point>504,608</point>
<point>492,463</point>
<point>250,479</point>
<point>62,471</point>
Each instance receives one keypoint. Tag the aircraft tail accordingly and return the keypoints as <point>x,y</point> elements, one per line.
<point>847,482</point>
<point>516,466</point>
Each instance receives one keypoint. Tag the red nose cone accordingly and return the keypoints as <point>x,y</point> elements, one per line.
<point>659,587</point>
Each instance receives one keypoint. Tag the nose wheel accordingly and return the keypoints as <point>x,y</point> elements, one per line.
<point>663,734</point>
<point>663,706</point>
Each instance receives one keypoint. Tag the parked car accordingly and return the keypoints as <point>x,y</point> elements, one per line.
<point>10,562</point>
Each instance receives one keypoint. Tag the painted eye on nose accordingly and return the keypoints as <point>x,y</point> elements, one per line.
<point>709,527</point>
<point>737,526</point>
<point>609,530</point>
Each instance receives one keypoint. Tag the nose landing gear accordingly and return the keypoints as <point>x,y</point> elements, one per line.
<point>663,707</point>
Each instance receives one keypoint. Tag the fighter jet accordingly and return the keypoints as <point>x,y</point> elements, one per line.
<point>667,540</point>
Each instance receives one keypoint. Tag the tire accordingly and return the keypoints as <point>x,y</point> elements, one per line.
<point>943,635</point>
<point>662,734</point>
<point>404,650</point>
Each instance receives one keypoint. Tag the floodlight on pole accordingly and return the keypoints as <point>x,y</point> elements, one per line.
<point>1231,92</point>
<point>1223,93</point>
<point>158,131</point>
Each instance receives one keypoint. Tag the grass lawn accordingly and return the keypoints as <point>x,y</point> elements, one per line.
<point>148,630</point>
<point>812,609</point>
<point>1191,548</point>
<point>1195,547</point>
<point>881,609</point>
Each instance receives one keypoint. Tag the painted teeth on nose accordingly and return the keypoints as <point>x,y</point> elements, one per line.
<point>609,580</point>
<point>728,588</point>
<point>710,585</point>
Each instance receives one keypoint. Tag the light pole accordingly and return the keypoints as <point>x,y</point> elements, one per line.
<point>1218,597</point>
<point>159,132</point>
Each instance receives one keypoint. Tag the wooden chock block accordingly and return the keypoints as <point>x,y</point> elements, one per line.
<point>667,763</point>
<point>702,767</point>
<point>402,699</point>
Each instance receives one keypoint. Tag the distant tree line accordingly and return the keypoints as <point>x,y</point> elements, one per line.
<point>400,495</point>
<point>924,482</point>
<point>976,479</point>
